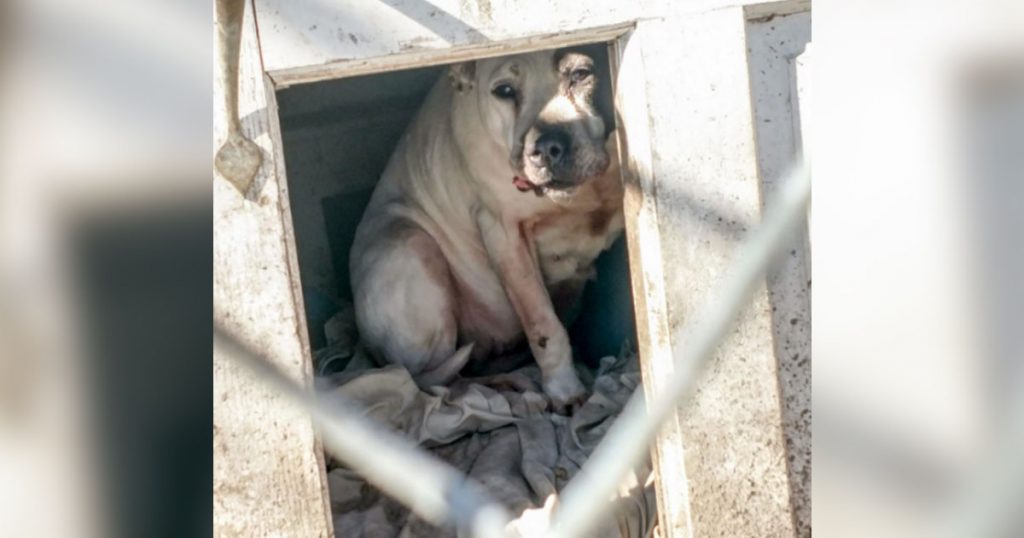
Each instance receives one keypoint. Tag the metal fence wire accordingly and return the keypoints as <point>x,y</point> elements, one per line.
<point>443,496</point>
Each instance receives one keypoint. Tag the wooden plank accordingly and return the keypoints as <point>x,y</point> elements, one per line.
<point>410,59</point>
<point>765,11</point>
<point>268,471</point>
<point>291,250</point>
<point>774,45</point>
<point>646,266</point>
<point>309,33</point>
<point>721,461</point>
<point>309,40</point>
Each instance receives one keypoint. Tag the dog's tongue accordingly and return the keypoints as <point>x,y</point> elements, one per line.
<point>523,184</point>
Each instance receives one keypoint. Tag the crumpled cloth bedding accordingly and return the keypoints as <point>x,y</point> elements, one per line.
<point>498,431</point>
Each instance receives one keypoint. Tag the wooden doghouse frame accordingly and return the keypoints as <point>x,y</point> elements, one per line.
<point>735,462</point>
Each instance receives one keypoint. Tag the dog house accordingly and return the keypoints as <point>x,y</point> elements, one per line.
<point>707,98</point>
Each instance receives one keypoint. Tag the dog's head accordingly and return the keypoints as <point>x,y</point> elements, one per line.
<point>549,111</point>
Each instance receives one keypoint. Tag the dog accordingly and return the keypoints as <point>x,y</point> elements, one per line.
<point>487,220</point>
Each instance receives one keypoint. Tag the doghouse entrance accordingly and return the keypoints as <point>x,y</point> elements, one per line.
<point>337,138</point>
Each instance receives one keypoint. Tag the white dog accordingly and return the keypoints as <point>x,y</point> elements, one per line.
<point>487,220</point>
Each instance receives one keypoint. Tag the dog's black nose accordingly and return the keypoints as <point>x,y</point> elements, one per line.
<point>550,149</point>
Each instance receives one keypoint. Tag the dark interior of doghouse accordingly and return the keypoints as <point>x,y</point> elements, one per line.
<point>338,136</point>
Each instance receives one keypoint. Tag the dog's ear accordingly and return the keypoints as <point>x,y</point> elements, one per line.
<point>462,76</point>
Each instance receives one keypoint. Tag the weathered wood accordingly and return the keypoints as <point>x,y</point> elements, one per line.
<point>765,11</point>
<point>646,266</point>
<point>721,462</point>
<point>414,58</point>
<point>308,40</point>
<point>308,34</point>
<point>774,46</point>
<point>268,470</point>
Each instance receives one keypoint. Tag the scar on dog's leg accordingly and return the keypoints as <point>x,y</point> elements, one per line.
<point>406,306</point>
<point>545,333</point>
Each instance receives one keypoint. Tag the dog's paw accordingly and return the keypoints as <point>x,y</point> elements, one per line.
<point>566,392</point>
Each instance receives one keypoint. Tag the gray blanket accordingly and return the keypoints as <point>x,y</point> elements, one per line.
<point>495,429</point>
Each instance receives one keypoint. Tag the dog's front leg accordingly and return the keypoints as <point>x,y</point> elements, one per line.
<point>510,248</point>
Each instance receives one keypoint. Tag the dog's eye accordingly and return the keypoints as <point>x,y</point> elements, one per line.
<point>580,74</point>
<point>504,91</point>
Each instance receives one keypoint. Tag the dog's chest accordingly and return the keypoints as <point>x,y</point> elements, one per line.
<point>568,241</point>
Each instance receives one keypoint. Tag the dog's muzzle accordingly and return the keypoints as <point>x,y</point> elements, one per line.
<point>553,162</point>
<point>551,150</point>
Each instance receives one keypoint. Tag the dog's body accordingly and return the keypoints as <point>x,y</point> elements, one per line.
<point>488,218</point>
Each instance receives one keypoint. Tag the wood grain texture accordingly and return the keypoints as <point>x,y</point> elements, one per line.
<point>308,40</point>
<point>646,267</point>
<point>410,58</point>
<point>268,474</point>
<point>774,46</point>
